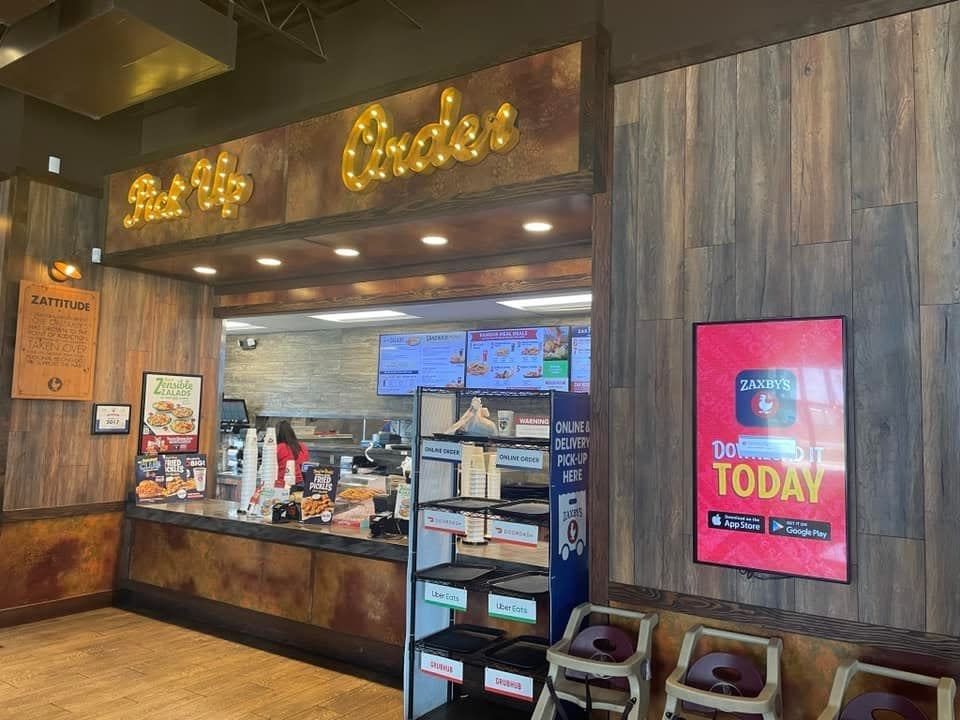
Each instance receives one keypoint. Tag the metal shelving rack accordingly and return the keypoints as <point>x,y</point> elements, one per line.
<point>565,464</point>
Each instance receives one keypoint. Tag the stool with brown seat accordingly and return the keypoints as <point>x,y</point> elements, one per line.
<point>599,667</point>
<point>723,682</point>
<point>864,707</point>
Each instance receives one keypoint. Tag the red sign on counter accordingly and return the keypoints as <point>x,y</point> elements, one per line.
<point>770,455</point>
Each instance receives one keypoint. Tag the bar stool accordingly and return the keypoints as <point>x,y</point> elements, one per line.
<point>767,704</point>
<point>600,682</point>
<point>863,706</point>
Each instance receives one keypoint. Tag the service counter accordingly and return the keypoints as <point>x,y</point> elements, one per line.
<point>328,590</point>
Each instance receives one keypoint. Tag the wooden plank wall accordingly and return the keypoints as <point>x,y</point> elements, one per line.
<point>814,177</point>
<point>146,323</point>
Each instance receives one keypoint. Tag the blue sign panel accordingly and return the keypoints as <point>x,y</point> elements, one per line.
<point>569,474</point>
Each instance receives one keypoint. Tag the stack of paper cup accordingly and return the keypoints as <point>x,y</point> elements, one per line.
<point>248,479</point>
<point>473,483</point>
<point>268,466</point>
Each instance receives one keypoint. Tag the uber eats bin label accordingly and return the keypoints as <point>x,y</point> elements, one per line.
<point>509,608</point>
<point>449,597</point>
<point>441,667</point>
<point>519,687</point>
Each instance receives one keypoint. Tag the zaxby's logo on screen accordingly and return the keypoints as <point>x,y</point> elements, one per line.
<point>766,398</point>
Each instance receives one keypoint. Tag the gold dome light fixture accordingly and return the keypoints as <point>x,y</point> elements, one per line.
<point>63,270</point>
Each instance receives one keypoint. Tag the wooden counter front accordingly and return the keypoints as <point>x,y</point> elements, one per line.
<point>346,606</point>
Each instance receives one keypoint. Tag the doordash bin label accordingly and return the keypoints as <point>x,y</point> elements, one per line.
<point>514,533</point>
<point>446,522</point>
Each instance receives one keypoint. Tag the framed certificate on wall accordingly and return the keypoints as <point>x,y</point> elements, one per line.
<point>110,419</point>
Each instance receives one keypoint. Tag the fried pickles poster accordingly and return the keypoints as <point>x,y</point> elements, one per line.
<point>171,413</point>
<point>771,447</point>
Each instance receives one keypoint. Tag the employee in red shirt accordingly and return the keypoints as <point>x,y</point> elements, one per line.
<point>289,448</point>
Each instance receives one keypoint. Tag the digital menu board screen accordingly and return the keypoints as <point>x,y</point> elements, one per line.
<point>420,360</point>
<point>519,359</point>
<point>580,359</point>
<point>771,447</point>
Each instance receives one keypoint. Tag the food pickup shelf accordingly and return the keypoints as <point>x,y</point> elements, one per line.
<point>526,655</point>
<point>456,574</point>
<point>523,585</point>
<point>476,708</point>
<point>460,641</point>
<point>531,512</point>
<point>521,442</point>
<point>463,504</point>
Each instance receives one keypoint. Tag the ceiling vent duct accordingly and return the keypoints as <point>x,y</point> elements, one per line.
<point>99,56</point>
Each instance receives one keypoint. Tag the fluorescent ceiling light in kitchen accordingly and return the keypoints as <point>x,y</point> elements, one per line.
<point>269,262</point>
<point>240,325</point>
<point>346,252</point>
<point>204,270</point>
<point>553,303</point>
<point>364,316</point>
<point>433,240</point>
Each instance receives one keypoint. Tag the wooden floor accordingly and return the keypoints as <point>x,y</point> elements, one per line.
<point>114,665</point>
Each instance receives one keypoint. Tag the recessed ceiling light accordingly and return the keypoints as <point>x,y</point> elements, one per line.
<point>240,325</point>
<point>537,226</point>
<point>433,240</point>
<point>553,303</point>
<point>269,262</point>
<point>347,252</point>
<point>363,316</point>
<point>204,270</point>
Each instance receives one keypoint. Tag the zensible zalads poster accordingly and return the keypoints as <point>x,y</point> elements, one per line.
<point>770,451</point>
<point>170,413</point>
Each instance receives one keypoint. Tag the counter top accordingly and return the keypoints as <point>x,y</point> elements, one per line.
<point>220,516</point>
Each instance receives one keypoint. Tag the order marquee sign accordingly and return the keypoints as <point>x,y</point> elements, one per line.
<point>56,342</point>
<point>770,451</point>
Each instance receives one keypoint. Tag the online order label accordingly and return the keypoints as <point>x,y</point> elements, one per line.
<point>448,597</point>
<point>510,608</point>
<point>440,450</point>
<point>441,667</point>
<point>514,533</point>
<point>498,682</point>
<point>445,522</point>
<point>520,458</point>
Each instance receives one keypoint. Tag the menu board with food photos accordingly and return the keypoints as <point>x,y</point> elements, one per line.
<point>170,478</point>
<point>420,360</point>
<point>170,420</point>
<point>519,359</point>
<point>319,493</point>
<point>580,359</point>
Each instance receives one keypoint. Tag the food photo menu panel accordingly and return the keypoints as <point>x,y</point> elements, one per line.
<point>770,454</point>
<point>519,359</point>
<point>580,359</point>
<point>420,360</point>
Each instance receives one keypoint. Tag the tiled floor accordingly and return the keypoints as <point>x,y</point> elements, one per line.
<point>114,665</point>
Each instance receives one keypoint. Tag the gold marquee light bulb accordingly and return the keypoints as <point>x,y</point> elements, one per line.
<point>216,184</point>
<point>370,156</point>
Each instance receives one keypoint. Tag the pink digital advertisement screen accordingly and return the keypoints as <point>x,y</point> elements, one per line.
<point>770,447</point>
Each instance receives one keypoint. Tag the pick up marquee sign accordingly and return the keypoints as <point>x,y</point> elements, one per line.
<point>770,453</point>
<point>530,115</point>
